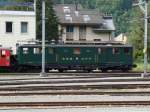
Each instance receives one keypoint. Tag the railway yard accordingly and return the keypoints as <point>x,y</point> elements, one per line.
<point>77,58</point>
<point>73,90</point>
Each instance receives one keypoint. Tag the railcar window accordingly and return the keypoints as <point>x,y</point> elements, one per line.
<point>37,50</point>
<point>101,50</point>
<point>25,50</point>
<point>77,51</point>
<point>88,51</point>
<point>115,50</point>
<point>3,53</point>
<point>65,51</point>
<point>126,50</point>
<point>50,50</point>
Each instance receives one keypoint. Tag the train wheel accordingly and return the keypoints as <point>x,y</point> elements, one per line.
<point>60,70</point>
<point>89,70</point>
<point>47,70</point>
<point>19,69</point>
<point>104,70</point>
<point>124,70</point>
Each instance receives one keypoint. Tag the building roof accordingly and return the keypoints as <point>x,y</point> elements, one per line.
<point>17,13</point>
<point>72,14</point>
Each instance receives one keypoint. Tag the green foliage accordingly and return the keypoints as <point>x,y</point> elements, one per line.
<point>140,66</point>
<point>51,21</point>
<point>126,4</point>
<point>136,34</point>
<point>16,7</point>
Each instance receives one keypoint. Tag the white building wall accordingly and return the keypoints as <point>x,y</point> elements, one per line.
<point>90,35</point>
<point>11,39</point>
<point>121,38</point>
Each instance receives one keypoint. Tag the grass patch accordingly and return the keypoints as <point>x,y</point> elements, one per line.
<point>140,67</point>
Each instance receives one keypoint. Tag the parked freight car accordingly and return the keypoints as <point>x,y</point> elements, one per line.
<point>77,57</point>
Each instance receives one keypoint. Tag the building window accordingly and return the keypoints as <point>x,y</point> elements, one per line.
<point>69,32</point>
<point>86,18</point>
<point>24,27</point>
<point>82,33</point>
<point>70,28</point>
<point>66,9</point>
<point>68,17</point>
<point>9,27</point>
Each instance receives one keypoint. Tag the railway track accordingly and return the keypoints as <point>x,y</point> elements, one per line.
<point>73,85</point>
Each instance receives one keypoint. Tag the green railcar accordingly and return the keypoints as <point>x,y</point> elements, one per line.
<point>78,57</point>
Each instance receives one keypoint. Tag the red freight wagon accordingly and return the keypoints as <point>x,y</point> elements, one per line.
<point>5,57</point>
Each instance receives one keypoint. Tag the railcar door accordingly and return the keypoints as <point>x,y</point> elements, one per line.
<point>102,57</point>
<point>51,57</point>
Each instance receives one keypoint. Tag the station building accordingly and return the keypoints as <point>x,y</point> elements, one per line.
<point>16,26</point>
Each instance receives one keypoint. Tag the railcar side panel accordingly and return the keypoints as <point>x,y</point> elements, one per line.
<point>65,57</point>
<point>115,58</point>
<point>76,57</point>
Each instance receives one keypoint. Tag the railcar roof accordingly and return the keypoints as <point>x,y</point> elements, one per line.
<point>68,45</point>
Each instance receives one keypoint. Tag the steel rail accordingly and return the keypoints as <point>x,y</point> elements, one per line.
<point>68,75</point>
<point>69,80</point>
<point>117,93</point>
<point>76,87</point>
<point>77,73</point>
<point>92,103</point>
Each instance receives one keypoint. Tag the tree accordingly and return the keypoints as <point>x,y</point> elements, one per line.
<point>136,34</point>
<point>51,21</point>
<point>16,7</point>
